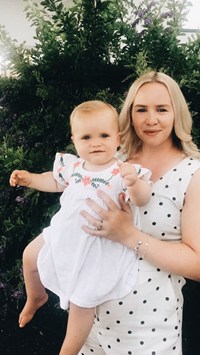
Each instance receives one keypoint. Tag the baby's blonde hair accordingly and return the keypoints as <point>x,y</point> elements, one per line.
<point>91,107</point>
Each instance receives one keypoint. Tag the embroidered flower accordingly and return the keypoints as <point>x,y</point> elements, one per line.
<point>60,169</point>
<point>61,159</point>
<point>115,171</point>
<point>86,180</point>
<point>77,163</point>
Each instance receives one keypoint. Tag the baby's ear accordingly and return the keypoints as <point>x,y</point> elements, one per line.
<point>72,138</point>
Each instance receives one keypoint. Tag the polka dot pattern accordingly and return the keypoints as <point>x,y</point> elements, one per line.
<point>148,321</point>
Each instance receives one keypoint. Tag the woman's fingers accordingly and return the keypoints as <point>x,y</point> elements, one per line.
<point>96,225</point>
<point>111,205</point>
<point>124,205</point>
<point>109,221</point>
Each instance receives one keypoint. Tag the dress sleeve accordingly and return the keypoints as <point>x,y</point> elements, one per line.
<point>143,173</point>
<point>63,167</point>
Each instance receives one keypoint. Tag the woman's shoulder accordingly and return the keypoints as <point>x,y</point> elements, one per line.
<point>189,161</point>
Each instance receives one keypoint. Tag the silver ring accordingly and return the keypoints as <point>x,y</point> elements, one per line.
<point>99,228</point>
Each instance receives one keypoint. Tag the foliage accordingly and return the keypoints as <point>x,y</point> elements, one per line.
<point>94,49</point>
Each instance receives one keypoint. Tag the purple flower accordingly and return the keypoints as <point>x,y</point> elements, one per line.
<point>147,21</point>
<point>20,199</point>
<point>167,14</point>
<point>17,294</point>
<point>2,285</point>
<point>141,13</point>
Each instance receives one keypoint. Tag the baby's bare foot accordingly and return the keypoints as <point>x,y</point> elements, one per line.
<point>30,308</point>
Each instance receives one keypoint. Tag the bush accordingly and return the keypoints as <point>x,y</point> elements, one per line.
<point>94,49</point>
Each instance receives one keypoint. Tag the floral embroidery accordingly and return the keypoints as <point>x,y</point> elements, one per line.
<point>77,164</point>
<point>115,171</point>
<point>62,164</point>
<point>61,160</point>
<point>84,179</point>
<point>62,179</point>
<point>94,182</point>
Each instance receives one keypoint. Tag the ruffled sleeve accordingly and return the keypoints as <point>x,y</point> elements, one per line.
<point>143,173</point>
<point>63,167</point>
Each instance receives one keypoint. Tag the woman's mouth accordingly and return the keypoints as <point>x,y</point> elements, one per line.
<point>151,133</point>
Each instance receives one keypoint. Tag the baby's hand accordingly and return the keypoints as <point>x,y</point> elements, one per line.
<point>20,177</point>
<point>128,173</point>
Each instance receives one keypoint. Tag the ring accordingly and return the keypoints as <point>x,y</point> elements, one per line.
<point>101,226</point>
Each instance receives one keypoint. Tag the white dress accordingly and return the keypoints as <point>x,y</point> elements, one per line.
<point>148,321</point>
<point>83,269</point>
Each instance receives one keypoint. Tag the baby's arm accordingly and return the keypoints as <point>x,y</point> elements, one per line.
<point>42,182</point>
<point>139,190</point>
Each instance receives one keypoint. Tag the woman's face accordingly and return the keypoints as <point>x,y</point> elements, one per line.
<point>153,115</point>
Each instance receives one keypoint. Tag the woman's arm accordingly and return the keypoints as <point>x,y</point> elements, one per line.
<point>178,258</point>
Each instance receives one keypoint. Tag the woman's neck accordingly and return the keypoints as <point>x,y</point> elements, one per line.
<point>159,161</point>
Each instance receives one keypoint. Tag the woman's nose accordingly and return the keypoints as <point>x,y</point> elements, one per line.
<point>151,118</point>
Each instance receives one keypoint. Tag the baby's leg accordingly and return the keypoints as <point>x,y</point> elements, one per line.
<point>35,291</point>
<point>80,322</point>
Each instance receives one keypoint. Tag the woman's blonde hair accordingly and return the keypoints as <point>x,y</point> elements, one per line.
<point>130,142</point>
<point>92,106</point>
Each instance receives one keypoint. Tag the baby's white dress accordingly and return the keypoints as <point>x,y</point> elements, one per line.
<point>83,269</point>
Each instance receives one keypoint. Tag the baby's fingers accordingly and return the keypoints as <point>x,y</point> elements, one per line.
<point>17,177</point>
<point>13,179</point>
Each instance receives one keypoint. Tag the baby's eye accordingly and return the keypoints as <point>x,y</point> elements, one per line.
<point>86,138</point>
<point>104,135</point>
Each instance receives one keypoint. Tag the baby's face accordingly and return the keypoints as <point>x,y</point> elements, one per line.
<point>96,136</point>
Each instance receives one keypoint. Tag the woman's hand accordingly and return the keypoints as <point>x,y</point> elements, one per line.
<point>114,223</point>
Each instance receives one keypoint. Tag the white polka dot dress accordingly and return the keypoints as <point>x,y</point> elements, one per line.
<point>149,320</point>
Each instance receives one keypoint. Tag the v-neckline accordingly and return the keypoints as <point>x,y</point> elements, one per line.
<point>170,170</point>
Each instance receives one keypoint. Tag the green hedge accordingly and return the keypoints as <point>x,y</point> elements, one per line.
<point>95,49</point>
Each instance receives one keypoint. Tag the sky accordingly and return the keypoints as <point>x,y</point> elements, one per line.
<point>194,15</point>
<point>13,17</point>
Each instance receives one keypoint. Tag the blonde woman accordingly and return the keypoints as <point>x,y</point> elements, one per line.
<point>155,126</point>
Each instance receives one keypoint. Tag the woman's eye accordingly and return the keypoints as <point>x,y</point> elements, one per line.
<point>162,109</point>
<point>141,110</point>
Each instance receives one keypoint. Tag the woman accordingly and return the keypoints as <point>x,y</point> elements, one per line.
<point>156,133</point>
